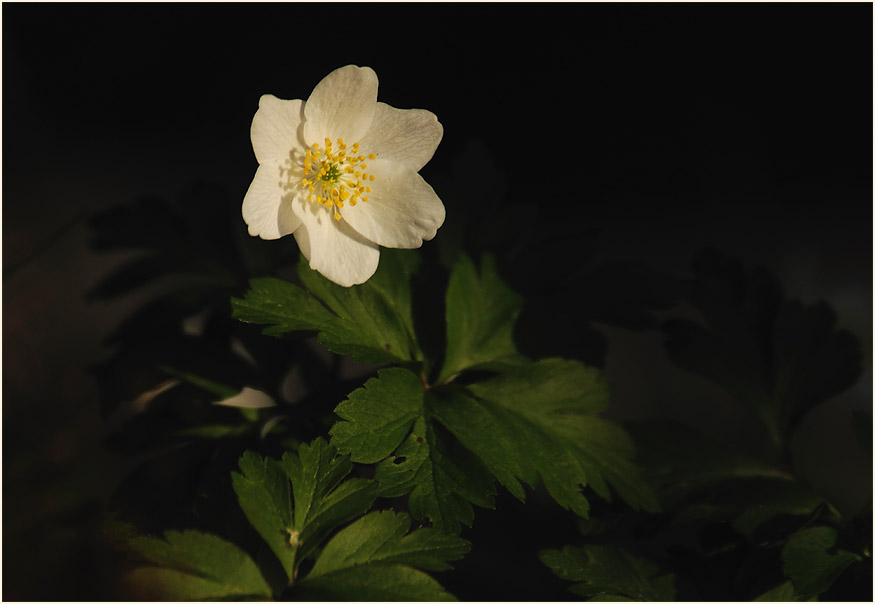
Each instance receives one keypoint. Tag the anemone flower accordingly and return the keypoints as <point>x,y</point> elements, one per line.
<point>340,172</point>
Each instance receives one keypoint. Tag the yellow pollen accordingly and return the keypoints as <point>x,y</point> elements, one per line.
<point>330,174</point>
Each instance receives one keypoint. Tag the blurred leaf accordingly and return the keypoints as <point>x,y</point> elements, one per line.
<point>781,358</point>
<point>199,566</point>
<point>481,312</point>
<point>811,561</point>
<point>861,422</point>
<point>679,460</point>
<point>609,574</point>
<point>783,593</point>
<point>375,559</point>
<point>813,361</point>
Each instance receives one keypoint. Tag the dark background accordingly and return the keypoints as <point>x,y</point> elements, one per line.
<point>746,127</point>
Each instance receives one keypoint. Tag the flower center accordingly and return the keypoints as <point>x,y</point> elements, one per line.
<point>330,176</point>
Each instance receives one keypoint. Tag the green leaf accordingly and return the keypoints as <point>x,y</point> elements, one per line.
<point>264,496</point>
<point>539,422</point>
<point>373,321</point>
<point>609,574</point>
<point>811,561</point>
<point>200,566</point>
<point>481,313</point>
<point>389,415</point>
<point>443,480</point>
<point>375,559</point>
<point>380,415</point>
<point>280,304</point>
<point>322,500</point>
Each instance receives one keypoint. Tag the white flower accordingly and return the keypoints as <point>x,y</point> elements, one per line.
<point>340,172</point>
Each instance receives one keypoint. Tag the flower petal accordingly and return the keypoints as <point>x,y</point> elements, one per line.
<point>266,207</point>
<point>407,136</point>
<point>402,211</point>
<point>276,128</point>
<point>332,247</point>
<point>341,106</point>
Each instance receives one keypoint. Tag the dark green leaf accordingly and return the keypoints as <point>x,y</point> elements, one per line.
<point>679,460</point>
<point>264,496</point>
<point>374,320</point>
<point>779,357</point>
<point>539,422</point>
<point>391,583</point>
<point>481,312</point>
<point>609,574</point>
<point>372,559</point>
<point>379,415</point>
<point>322,502</point>
<point>382,537</point>
<point>280,304</point>
<point>811,561</point>
<point>443,480</point>
<point>389,415</point>
<point>201,566</point>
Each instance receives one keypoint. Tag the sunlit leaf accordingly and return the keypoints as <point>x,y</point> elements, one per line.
<point>375,558</point>
<point>481,312</point>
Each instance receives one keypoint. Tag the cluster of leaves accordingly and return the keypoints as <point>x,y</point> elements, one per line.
<point>754,521</point>
<point>294,504</point>
<point>441,430</point>
<point>451,407</point>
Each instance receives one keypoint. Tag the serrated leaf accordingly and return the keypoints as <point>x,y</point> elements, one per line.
<point>811,561</point>
<point>481,313</point>
<point>382,537</point>
<point>200,565</point>
<point>609,574</point>
<point>264,496</point>
<point>373,559</point>
<point>536,423</point>
<point>392,583</point>
<point>379,415</point>
<point>372,322</point>
<point>282,305</point>
<point>539,422</point>
<point>442,481</point>
<point>322,501</point>
<point>387,416</point>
